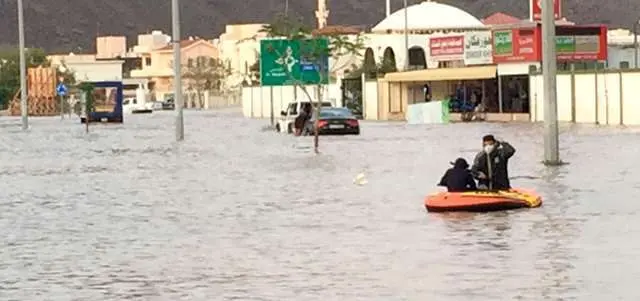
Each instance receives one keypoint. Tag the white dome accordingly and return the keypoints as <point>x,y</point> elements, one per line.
<point>429,15</point>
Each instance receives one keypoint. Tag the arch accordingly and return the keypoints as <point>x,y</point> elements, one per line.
<point>369,65</point>
<point>369,58</point>
<point>417,58</point>
<point>388,63</point>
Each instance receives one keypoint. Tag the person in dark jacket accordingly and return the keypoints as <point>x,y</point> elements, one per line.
<point>300,121</point>
<point>458,178</point>
<point>490,165</point>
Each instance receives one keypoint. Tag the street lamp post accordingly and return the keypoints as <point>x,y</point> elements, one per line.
<point>406,36</point>
<point>177,72</point>
<point>635,43</point>
<point>23,69</point>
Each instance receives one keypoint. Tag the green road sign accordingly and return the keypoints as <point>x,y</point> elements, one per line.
<point>286,62</point>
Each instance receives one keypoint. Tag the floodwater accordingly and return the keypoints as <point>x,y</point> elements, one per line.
<point>239,213</point>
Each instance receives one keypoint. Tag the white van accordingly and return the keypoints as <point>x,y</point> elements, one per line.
<point>288,116</point>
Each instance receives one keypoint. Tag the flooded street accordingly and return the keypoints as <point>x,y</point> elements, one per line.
<point>239,213</point>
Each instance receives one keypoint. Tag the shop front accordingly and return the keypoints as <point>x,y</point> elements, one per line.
<point>517,52</point>
<point>462,75</point>
<point>400,90</point>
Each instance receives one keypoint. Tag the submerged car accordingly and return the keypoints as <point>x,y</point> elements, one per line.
<point>333,121</point>
<point>286,122</point>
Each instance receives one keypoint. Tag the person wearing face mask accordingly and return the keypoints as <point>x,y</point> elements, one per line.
<point>490,166</point>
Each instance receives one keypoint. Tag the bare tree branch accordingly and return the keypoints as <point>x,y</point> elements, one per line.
<point>205,74</point>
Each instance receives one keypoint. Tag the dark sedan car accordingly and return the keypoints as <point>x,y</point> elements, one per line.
<point>168,104</point>
<point>334,121</point>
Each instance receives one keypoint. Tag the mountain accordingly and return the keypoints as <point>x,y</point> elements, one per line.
<point>71,25</point>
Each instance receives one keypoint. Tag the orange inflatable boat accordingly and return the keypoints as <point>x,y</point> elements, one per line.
<point>482,201</point>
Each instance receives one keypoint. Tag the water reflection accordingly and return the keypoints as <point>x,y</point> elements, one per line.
<point>238,213</point>
<point>558,232</point>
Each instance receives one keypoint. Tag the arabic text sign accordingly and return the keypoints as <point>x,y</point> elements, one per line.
<point>514,45</point>
<point>286,62</point>
<point>503,42</point>
<point>536,9</point>
<point>449,48</point>
<point>575,48</point>
<point>477,48</point>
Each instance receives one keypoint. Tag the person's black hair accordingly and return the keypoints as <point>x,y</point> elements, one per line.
<point>460,163</point>
<point>488,138</point>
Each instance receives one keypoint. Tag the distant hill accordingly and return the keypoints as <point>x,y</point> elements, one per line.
<point>72,25</point>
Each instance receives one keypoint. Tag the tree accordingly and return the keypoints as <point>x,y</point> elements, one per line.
<point>10,69</point>
<point>386,65</point>
<point>205,74</point>
<point>316,48</point>
<point>87,89</point>
<point>68,75</point>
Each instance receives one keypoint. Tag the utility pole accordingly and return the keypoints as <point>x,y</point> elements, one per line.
<point>406,37</point>
<point>23,69</point>
<point>549,66</point>
<point>177,70</point>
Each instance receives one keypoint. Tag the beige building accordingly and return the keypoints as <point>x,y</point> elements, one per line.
<point>240,47</point>
<point>157,63</point>
<point>111,47</point>
<point>150,41</point>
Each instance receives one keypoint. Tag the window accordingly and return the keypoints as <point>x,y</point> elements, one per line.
<point>147,61</point>
<point>190,63</point>
<point>624,65</point>
<point>201,61</point>
<point>292,110</point>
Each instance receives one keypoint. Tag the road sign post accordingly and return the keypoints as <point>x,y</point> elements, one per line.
<point>61,90</point>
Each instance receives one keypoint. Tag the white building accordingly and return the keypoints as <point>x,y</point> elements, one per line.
<point>87,68</point>
<point>620,49</point>
<point>426,20</point>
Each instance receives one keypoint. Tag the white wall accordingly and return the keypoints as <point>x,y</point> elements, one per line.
<point>379,42</point>
<point>618,54</point>
<point>370,100</point>
<point>101,71</point>
<point>606,98</point>
<point>256,101</point>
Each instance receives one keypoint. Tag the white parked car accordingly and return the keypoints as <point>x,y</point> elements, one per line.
<point>131,105</point>
<point>156,105</point>
<point>287,117</point>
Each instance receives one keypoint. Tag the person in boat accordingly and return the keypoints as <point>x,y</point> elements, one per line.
<point>458,178</point>
<point>300,121</point>
<point>490,166</point>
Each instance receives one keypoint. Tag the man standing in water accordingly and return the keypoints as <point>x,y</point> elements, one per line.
<point>491,164</point>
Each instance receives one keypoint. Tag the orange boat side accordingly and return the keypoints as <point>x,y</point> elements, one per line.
<point>481,201</point>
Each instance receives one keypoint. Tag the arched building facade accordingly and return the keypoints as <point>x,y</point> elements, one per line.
<point>386,42</point>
